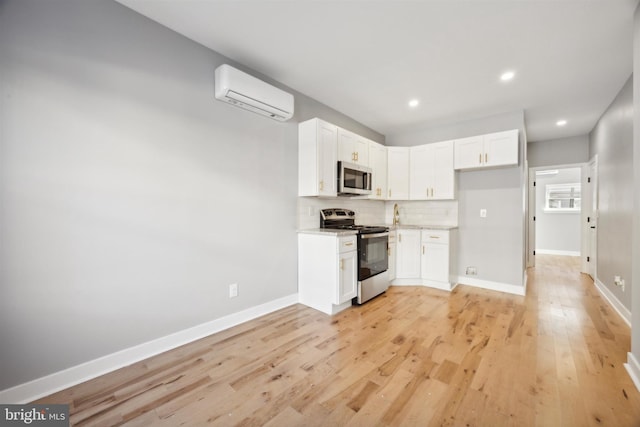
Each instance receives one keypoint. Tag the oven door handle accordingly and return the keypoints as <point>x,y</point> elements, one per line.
<point>371,236</point>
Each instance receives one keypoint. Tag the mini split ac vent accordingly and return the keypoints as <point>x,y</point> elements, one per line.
<point>245,91</point>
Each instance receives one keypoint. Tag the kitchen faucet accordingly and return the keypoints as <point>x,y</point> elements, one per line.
<point>396,214</point>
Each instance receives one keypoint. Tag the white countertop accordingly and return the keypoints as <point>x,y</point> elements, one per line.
<point>330,231</point>
<point>421,227</point>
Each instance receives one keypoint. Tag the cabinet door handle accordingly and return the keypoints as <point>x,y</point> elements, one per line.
<point>422,249</point>
<point>321,185</point>
<point>434,237</point>
<point>480,158</point>
<point>349,244</point>
<point>486,157</point>
<point>341,264</point>
<point>399,238</point>
<point>389,192</point>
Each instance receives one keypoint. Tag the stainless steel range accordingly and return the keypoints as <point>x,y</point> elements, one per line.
<point>373,255</point>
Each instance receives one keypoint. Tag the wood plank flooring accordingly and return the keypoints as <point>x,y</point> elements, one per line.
<point>413,356</point>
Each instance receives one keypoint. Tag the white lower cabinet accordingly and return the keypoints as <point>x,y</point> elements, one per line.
<point>408,254</point>
<point>425,257</point>
<point>348,273</point>
<point>327,271</point>
<point>435,257</point>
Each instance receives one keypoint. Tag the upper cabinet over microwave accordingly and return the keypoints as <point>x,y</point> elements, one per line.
<point>352,148</point>
<point>491,150</point>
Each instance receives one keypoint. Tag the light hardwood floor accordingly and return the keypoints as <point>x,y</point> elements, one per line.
<point>413,356</point>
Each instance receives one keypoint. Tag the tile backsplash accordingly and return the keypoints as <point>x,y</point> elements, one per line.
<point>367,211</point>
<point>371,212</point>
<point>437,212</point>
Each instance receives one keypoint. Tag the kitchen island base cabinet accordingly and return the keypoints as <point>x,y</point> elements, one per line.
<point>327,271</point>
<point>434,253</point>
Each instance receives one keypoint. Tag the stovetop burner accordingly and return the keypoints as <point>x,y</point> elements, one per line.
<point>344,219</point>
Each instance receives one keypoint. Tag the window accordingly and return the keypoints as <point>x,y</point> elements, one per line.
<point>562,198</point>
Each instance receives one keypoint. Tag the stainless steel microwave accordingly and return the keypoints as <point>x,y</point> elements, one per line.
<point>353,180</point>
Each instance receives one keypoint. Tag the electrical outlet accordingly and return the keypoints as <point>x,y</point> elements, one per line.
<point>618,281</point>
<point>471,271</point>
<point>483,213</point>
<point>233,290</point>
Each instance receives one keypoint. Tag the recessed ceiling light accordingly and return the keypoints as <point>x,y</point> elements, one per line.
<point>561,122</point>
<point>507,75</point>
<point>414,103</point>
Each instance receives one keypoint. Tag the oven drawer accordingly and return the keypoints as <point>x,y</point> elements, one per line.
<point>435,236</point>
<point>346,244</point>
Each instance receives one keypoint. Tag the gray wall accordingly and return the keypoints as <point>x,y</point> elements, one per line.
<point>563,151</point>
<point>556,231</point>
<point>612,140</point>
<point>129,197</point>
<point>495,244</point>
<point>635,287</point>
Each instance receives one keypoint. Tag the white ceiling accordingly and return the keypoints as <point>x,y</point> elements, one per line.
<point>367,59</point>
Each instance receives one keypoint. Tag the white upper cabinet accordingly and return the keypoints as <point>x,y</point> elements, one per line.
<point>378,165</point>
<point>491,150</point>
<point>501,148</point>
<point>398,173</point>
<point>431,172</point>
<point>317,158</point>
<point>352,148</point>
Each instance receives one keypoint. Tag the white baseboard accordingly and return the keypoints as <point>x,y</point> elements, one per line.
<point>614,301</point>
<point>57,381</point>
<point>423,282</point>
<point>633,368</point>
<point>555,252</point>
<point>493,286</point>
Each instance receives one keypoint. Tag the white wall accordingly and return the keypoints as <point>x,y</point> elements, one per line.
<point>634,355</point>
<point>557,232</point>
<point>563,151</point>
<point>612,140</point>
<point>129,197</point>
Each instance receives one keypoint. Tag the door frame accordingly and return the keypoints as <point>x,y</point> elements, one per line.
<point>532,203</point>
<point>590,267</point>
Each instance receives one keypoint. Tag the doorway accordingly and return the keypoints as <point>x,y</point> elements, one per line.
<point>559,211</point>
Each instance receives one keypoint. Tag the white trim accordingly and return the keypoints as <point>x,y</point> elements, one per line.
<point>444,286</point>
<point>613,301</point>
<point>633,368</point>
<point>556,252</point>
<point>525,281</point>
<point>61,380</point>
<point>493,286</point>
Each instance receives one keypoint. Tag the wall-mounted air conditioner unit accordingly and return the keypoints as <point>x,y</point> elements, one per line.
<point>245,91</point>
